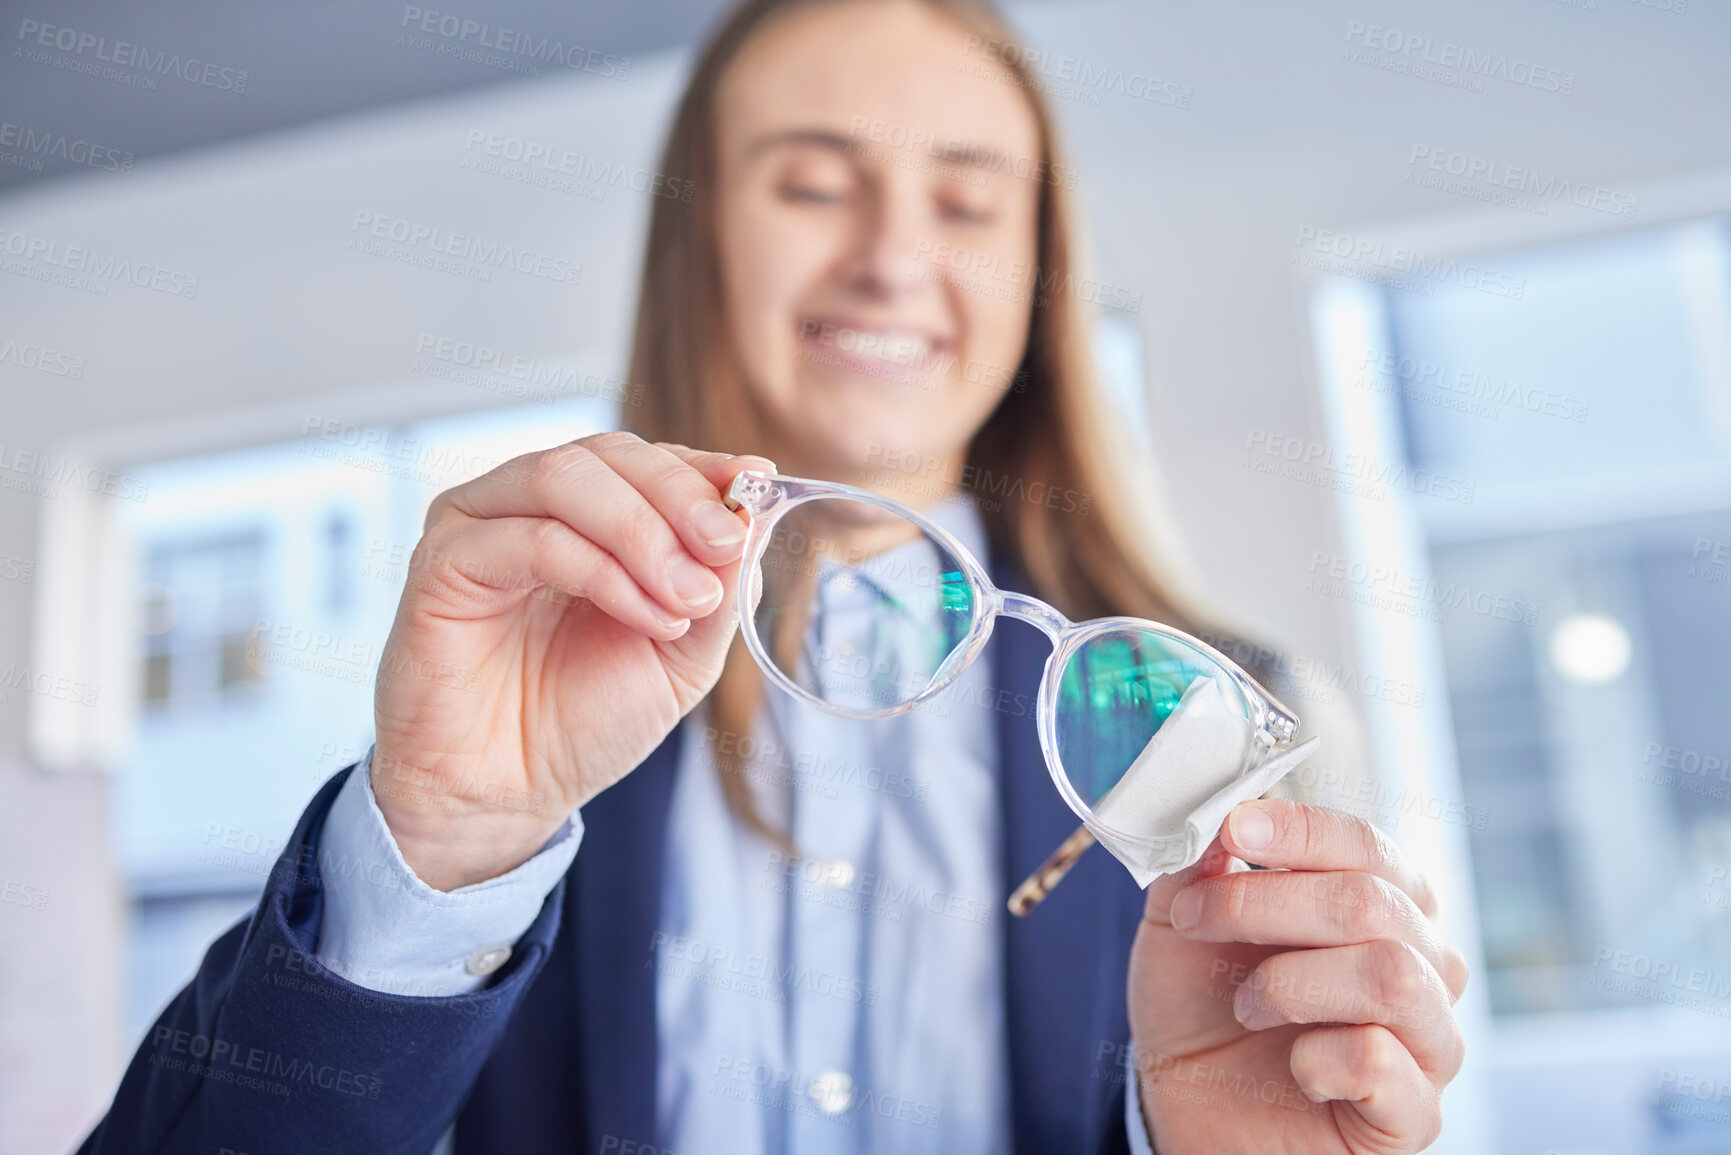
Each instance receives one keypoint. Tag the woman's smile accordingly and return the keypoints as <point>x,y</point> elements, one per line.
<point>881,351</point>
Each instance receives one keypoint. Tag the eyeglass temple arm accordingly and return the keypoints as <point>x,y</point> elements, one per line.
<point>1043,881</point>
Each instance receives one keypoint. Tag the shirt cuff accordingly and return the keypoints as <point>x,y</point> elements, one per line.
<point>1140,1142</point>
<point>386,930</point>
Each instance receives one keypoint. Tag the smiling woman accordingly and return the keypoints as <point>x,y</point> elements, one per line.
<point>894,283</point>
<point>538,913</point>
<point>836,182</point>
<point>846,235</point>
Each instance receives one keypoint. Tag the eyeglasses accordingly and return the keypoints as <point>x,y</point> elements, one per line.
<point>864,608</point>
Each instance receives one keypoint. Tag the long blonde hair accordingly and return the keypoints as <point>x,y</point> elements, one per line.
<point>1103,547</point>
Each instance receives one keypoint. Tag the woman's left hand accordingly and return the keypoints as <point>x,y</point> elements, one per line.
<point>1302,1009</point>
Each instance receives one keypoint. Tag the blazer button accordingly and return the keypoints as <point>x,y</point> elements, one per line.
<point>488,959</point>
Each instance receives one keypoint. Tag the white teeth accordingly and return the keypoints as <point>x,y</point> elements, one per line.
<point>889,346</point>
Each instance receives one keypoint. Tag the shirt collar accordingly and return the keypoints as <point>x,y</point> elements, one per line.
<point>960,514</point>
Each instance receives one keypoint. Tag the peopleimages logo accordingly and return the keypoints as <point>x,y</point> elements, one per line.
<point>35,145</point>
<point>1662,980</point>
<point>1387,587</point>
<point>987,273</point>
<point>552,160</point>
<point>1467,63</point>
<point>1072,77</point>
<point>215,1057</point>
<point>384,451</point>
<point>1358,252</point>
<point>42,475</point>
<point>729,968</point>
<point>88,47</point>
<point>1360,467</point>
<point>960,153</point>
<point>44,360</point>
<point>23,894</point>
<point>87,268</point>
<point>438,248</point>
<point>1464,390</point>
<point>516,374</point>
<point>61,688</point>
<point>478,40</point>
<point>1486,179</point>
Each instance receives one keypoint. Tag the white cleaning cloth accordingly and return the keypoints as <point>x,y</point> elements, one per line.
<point>1177,793</point>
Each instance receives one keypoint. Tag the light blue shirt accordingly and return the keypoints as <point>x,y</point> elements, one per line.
<point>845,1002</point>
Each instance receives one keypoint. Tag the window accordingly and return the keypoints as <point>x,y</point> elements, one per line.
<point>339,561</point>
<point>202,599</point>
<point>1573,414</point>
<point>266,580</point>
<point>1118,360</point>
<point>1556,529</point>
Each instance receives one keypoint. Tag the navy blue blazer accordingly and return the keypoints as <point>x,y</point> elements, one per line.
<point>266,1051</point>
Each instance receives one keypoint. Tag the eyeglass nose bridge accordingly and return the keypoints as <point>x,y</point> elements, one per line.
<point>1033,611</point>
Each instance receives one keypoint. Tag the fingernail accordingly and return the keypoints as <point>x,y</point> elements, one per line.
<point>1246,1010</point>
<point>694,582</point>
<point>1242,1004</point>
<point>1187,908</point>
<point>716,525</point>
<point>1252,828</point>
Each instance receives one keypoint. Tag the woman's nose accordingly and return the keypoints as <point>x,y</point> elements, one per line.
<point>893,234</point>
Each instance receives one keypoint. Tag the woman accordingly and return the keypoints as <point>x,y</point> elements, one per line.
<point>692,962</point>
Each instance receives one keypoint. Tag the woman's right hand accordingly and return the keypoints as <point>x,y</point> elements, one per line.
<point>562,613</point>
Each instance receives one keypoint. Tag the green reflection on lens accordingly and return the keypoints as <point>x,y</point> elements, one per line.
<point>958,610</point>
<point>1113,695</point>
<point>958,594</point>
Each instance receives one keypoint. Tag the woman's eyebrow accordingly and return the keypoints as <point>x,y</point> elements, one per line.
<point>953,152</point>
<point>821,137</point>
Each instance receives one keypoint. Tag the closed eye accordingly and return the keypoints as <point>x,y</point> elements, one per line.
<point>809,194</point>
<point>968,214</point>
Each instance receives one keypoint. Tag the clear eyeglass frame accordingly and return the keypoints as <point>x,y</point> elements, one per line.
<point>769,497</point>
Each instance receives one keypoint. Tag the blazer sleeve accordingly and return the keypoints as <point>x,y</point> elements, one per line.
<point>266,1050</point>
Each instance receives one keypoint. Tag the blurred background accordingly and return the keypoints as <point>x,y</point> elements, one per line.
<point>1425,312</point>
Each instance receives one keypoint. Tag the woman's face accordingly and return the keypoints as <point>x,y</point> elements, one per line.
<point>877,216</point>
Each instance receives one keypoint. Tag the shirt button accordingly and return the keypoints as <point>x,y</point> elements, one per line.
<point>832,1091</point>
<point>838,873</point>
<point>488,959</point>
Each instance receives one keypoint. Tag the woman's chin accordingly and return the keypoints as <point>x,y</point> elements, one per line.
<point>864,427</point>
<point>850,444</point>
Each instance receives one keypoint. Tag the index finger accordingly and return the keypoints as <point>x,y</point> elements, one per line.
<point>719,469</point>
<point>1275,833</point>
